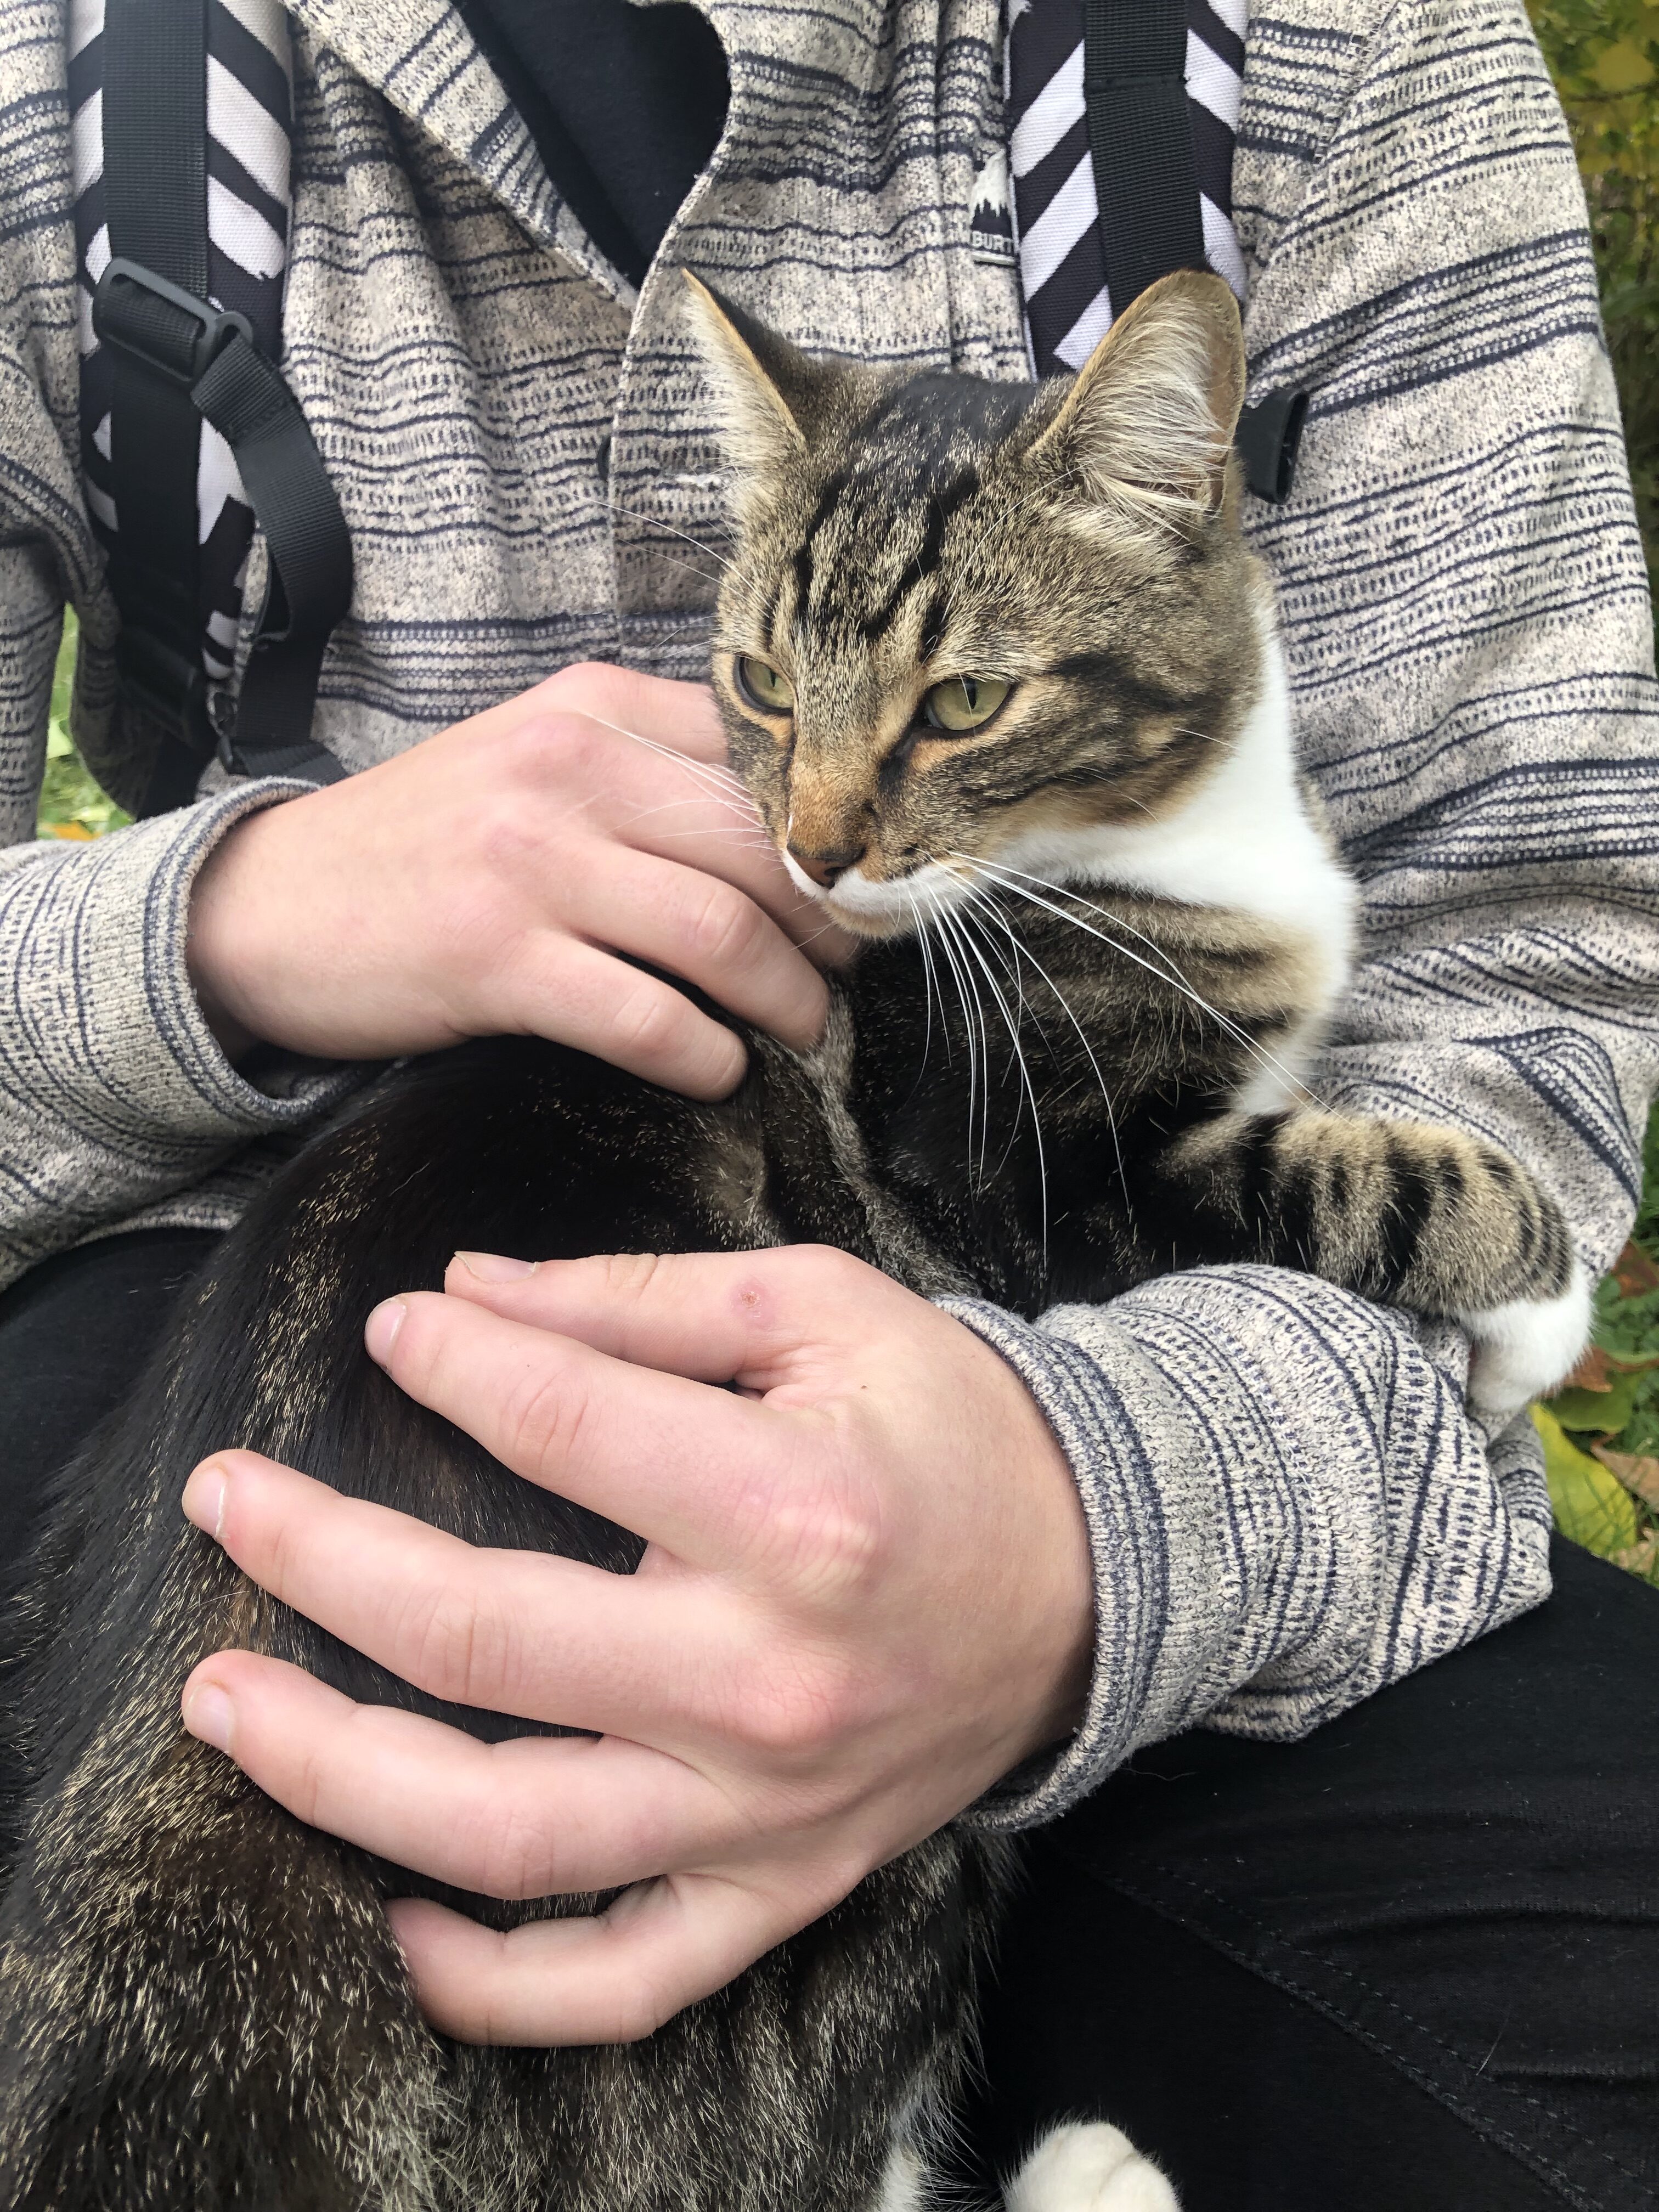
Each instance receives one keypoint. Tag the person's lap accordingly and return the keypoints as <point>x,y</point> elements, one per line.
<point>1410,1962</point>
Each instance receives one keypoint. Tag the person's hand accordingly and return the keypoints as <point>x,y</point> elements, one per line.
<point>867,1596</point>
<point>482,883</point>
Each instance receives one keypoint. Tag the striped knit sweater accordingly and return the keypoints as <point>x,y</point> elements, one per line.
<point>1288,1503</point>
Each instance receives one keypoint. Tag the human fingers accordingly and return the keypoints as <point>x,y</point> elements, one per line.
<point>700,926</point>
<point>700,1472</point>
<point>657,710</point>
<point>535,1816</point>
<point>611,1978</point>
<point>758,1318</point>
<point>684,808</point>
<point>555,985</point>
<point>529,1633</point>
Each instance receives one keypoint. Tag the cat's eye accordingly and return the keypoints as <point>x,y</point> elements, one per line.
<point>765,686</point>
<point>964,703</point>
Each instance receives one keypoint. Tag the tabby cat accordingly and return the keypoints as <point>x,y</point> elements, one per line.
<point>1002,680</point>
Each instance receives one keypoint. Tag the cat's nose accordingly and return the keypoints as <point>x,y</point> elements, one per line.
<point>825,867</point>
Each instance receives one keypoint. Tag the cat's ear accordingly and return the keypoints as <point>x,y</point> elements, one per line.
<point>1145,431</point>
<point>764,384</point>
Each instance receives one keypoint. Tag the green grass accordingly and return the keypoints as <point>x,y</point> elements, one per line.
<point>71,804</point>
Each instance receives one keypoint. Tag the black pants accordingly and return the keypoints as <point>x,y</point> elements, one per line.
<point>1410,1965</point>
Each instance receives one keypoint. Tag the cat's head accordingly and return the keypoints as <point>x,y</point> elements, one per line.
<point>970,622</point>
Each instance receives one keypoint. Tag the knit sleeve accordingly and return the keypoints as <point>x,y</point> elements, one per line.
<point>113,1091</point>
<point>1288,1504</point>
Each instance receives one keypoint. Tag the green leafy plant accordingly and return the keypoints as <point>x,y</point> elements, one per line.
<point>1601,1433</point>
<point>71,803</point>
<point>1604,57</point>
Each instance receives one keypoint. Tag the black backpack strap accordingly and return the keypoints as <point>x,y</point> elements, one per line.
<point>176,359</point>
<point>1140,142</point>
<point>1140,147</point>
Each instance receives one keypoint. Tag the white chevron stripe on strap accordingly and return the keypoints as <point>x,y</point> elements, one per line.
<point>1054,112</point>
<point>1053,218</point>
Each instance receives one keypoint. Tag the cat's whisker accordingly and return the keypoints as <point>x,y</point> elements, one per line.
<point>750,829</point>
<point>1240,1035</point>
<point>735,833</point>
<point>691,568</point>
<point>952,934</point>
<point>926,980</point>
<point>721,781</point>
<point>656,522</point>
<point>1166,972</point>
<point>1169,971</point>
<point>953,961</point>
<point>803,942</point>
<point>969,939</point>
<point>987,904</point>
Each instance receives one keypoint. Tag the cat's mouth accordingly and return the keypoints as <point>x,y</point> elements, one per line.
<point>887,906</point>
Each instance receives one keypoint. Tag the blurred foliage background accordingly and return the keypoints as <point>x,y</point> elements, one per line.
<point>1604,56</point>
<point>71,804</point>
<point>1601,1435</point>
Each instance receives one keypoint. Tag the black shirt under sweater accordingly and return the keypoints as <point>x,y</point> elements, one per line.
<point>625,105</point>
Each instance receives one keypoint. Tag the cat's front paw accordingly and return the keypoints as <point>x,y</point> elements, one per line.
<point>1090,2169</point>
<point>1524,1349</point>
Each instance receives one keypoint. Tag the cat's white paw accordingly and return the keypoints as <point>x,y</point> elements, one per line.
<point>1522,1350</point>
<point>1090,2169</point>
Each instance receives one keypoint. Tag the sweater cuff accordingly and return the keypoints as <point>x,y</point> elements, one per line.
<point>1287,1507</point>
<point>1153,1595</point>
<point>121,1090</point>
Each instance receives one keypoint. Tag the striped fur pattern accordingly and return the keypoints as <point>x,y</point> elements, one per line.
<point>200,2003</point>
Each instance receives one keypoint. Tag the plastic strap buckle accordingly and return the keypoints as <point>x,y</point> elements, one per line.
<point>169,329</point>
<point>1267,438</point>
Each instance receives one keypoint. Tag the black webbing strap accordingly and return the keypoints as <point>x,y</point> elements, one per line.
<point>176,359</point>
<point>1140,147</point>
<point>154,104</point>
<point>1140,142</point>
<point>310,560</point>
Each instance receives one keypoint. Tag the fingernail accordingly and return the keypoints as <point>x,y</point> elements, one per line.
<point>207,1716</point>
<point>496,1267</point>
<point>380,1330</point>
<point>204,1497</point>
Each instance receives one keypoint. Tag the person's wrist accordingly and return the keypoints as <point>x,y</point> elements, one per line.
<point>219,957</point>
<point>1058,1599</point>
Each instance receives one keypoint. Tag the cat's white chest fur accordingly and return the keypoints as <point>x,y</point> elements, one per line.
<point>1245,841</point>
